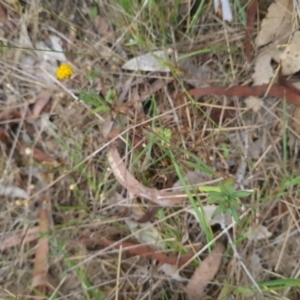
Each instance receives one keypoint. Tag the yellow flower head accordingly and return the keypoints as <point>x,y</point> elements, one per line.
<point>64,71</point>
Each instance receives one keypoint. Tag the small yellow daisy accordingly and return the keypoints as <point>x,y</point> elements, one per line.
<point>64,71</point>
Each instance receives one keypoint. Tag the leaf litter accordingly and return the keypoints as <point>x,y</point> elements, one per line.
<point>74,127</point>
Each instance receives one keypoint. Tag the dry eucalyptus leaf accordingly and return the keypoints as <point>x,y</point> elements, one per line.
<point>277,23</point>
<point>205,273</point>
<point>263,70</point>
<point>253,103</point>
<point>17,238</point>
<point>290,58</point>
<point>224,220</point>
<point>40,269</point>
<point>13,192</point>
<point>162,198</point>
<point>42,100</point>
<point>149,62</point>
<point>258,232</point>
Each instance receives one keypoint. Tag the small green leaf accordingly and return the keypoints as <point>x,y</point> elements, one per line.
<point>218,210</point>
<point>227,187</point>
<point>100,109</point>
<point>225,150</point>
<point>92,98</point>
<point>241,194</point>
<point>209,188</point>
<point>215,198</point>
<point>94,73</point>
<point>94,12</point>
<point>110,95</point>
<point>235,215</point>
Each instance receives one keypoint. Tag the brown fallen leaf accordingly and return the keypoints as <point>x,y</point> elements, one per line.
<point>292,95</point>
<point>40,270</point>
<point>145,251</point>
<point>118,168</point>
<point>126,179</point>
<point>205,273</point>
<point>42,100</point>
<point>38,155</point>
<point>20,237</point>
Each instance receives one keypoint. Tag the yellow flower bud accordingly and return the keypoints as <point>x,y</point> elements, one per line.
<point>64,71</point>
